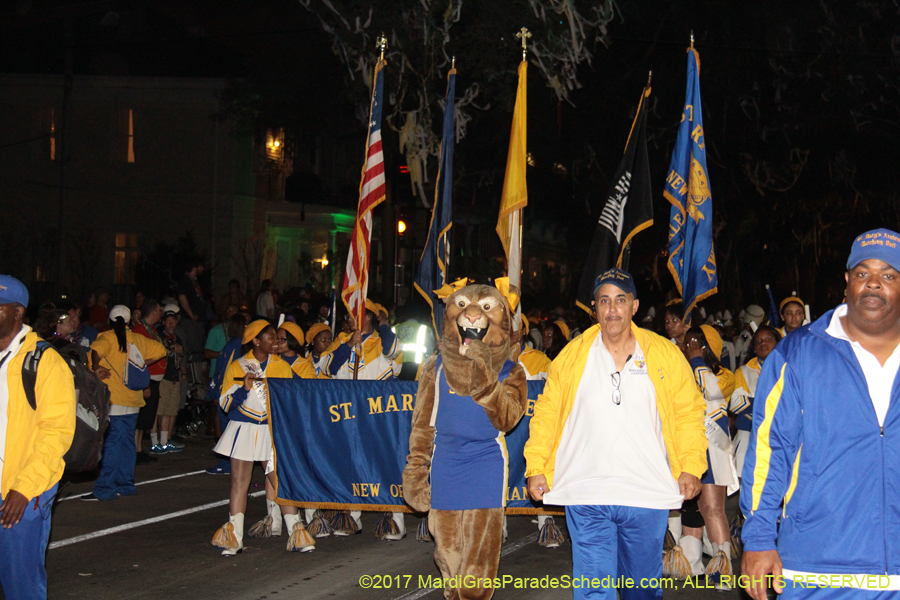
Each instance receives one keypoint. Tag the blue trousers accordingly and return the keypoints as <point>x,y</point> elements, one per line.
<point>117,467</point>
<point>612,543</point>
<point>22,551</point>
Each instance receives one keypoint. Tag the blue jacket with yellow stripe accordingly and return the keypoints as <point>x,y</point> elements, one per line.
<point>816,445</point>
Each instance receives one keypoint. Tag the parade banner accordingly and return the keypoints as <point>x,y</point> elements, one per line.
<point>692,259</point>
<point>343,444</point>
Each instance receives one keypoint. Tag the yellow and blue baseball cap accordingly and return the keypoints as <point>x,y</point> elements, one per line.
<point>13,291</point>
<point>880,244</point>
<point>619,278</point>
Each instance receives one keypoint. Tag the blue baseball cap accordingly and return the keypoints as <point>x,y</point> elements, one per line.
<point>13,291</point>
<point>619,278</point>
<point>881,244</point>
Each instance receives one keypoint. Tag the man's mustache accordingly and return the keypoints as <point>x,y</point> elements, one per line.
<point>873,295</point>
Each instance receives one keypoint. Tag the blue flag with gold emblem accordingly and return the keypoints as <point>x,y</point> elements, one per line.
<point>692,259</point>
<point>431,273</point>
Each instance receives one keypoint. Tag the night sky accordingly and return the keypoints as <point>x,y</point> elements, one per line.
<point>801,108</point>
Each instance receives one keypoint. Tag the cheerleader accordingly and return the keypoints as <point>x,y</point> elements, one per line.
<point>320,348</point>
<point>793,313</point>
<point>290,339</point>
<point>741,404</point>
<point>703,347</point>
<point>247,438</point>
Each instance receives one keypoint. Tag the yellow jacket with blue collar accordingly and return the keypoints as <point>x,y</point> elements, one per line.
<point>680,405</point>
<point>251,406</point>
<point>37,438</point>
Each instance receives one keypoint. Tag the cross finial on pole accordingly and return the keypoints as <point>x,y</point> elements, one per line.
<point>381,44</point>
<point>524,34</point>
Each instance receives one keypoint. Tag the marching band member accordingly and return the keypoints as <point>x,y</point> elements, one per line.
<point>247,438</point>
<point>703,347</point>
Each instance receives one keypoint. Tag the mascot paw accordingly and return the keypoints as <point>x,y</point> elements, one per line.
<point>416,489</point>
<point>479,352</point>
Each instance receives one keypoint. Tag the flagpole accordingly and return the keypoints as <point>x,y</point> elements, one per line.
<point>381,44</point>
<point>516,278</point>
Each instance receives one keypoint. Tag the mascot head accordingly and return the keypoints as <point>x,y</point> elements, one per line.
<point>476,312</point>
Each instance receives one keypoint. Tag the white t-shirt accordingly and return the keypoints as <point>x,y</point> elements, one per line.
<point>614,454</point>
<point>265,304</point>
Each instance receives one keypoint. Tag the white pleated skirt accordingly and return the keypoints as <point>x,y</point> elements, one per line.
<point>246,441</point>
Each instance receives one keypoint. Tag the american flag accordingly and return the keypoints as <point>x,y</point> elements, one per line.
<point>371,193</point>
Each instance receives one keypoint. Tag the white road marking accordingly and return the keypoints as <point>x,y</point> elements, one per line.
<point>74,496</point>
<point>127,526</point>
<point>518,544</point>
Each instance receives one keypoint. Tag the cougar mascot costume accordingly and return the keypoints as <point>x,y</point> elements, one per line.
<point>457,465</point>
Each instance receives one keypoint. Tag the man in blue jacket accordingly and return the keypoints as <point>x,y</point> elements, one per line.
<point>826,444</point>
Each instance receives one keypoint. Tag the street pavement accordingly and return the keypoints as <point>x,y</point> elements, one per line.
<point>157,545</point>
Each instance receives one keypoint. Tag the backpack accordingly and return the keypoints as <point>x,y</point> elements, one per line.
<point>136,375</point>
<point>91,407</point>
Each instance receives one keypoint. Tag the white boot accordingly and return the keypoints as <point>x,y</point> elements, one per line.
<point>693,552</point>
<point>400,522</point>
<point>275,512</point>
<point>675,527</point>
<point>230,536</point>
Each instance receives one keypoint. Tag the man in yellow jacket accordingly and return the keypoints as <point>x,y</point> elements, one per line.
<point>33,441</point>
<point>617,438</point>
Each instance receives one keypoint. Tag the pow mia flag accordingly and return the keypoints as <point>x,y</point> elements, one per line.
<point>627,211</point>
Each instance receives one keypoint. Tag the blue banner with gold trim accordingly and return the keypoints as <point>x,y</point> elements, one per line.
<point>692,259</point>
<point>343,444</point>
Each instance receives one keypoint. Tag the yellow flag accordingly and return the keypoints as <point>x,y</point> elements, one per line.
<point>515,192</point>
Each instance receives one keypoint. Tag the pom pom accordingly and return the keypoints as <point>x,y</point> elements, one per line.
<point>319,527</point>
<point>669,541</point>
<point>262,529</point>
<point>676,564</point>
<point>550,536</point>
<point>225,538</point>
<point>720,563</point>
<point>385,526</point>
<point>422,533</point>
<point>342,522</point>
<point>300,540</point>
